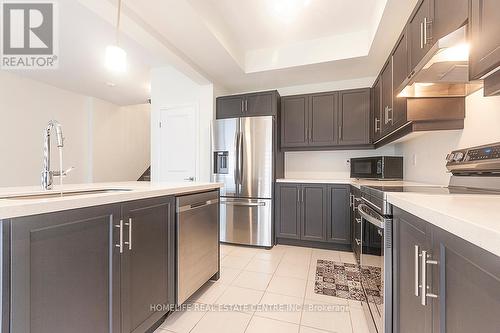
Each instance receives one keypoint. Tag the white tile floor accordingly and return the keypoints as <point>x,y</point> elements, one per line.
<point>283,275</point>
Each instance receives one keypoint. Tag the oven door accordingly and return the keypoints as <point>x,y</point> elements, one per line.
<point>376,269</point>
<point>369,167</point>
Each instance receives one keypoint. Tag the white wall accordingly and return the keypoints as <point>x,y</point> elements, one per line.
<point>121,141</point>
<point>327,164</point>
<point>170,88</point>
<point>482,126</point>
<point>364,82</point>
<point>26,106</point>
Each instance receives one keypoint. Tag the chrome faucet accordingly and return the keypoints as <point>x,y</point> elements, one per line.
<point>47,175</point>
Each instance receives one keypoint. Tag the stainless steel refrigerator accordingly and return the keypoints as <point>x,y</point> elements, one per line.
<point>242,153</point>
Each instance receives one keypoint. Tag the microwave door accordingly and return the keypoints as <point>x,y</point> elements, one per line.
<point>225,136</point>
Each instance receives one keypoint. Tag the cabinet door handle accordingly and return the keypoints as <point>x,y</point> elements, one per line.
<point>340,132</point>
<point>120,244</point>
<point>302,196</point>
<point>416,260</point>
<point>129,225</point>
<point>298,195</point>
<point>427,23</point>
<point>424,286</point>
<point>242,106</point>
<point>246,105</point>
<point>421,35</point>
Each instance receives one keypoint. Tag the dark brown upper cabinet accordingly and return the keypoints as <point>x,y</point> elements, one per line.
<point>400,70</point>
<point>377,109</point>
<point>387,97</point>
<point>448,16</point>
<point>309,120</point>
<point>294,121</point>
<point>248,105</point>
<point>322,119</point>
<point>485,37</point>
<point>354,117</point>
<point>420,32</point>
<point>326,120</point>
<point>230,106</point>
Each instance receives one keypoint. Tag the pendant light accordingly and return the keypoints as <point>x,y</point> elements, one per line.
<point>116,57</point>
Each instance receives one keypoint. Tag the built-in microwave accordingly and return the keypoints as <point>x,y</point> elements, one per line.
<point>377,167</point>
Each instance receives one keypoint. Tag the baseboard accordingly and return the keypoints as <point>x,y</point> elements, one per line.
<point>317,245</point>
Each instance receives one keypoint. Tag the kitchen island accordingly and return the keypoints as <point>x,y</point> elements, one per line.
<point>101,258</point>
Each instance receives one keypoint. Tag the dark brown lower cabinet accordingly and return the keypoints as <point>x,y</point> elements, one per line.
<point>288,213</point>
<point>313,213</point>
<point>462,281</point>
<point>89,269</point>
<point>411,236</point>
<point>339,227</point>
<point>65,272</point>
<point>147,266</point>
<point>467,283</point>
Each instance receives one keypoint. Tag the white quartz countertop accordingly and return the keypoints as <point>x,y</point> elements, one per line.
<point>355,182</point>
<point>472,217</point>
<point>475,218</point>
<point>10,208</point>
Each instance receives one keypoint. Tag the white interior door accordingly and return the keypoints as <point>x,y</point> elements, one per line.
<point>179,144</point>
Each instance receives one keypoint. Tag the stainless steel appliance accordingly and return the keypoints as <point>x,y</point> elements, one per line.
<point>242,151</point>
<point>377,167</point>
<point>197,242</point>
<point>475,171</point>
<point>444,70</point>
<point>376,268</point>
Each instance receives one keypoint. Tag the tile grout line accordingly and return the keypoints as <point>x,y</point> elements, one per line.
<point>305,291</point>
<point>260,300</point>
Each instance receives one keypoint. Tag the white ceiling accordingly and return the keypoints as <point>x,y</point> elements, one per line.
<point>262,23</point>
<point>239,45</point>
<point>83,37</point>
<point>249,45</point>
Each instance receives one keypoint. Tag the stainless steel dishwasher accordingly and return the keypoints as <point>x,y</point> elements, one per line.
<point>197,241</point>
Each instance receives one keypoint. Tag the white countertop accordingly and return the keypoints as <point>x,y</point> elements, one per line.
<point>355,182</point>
<point>475,218</point>
<point>10,208</point>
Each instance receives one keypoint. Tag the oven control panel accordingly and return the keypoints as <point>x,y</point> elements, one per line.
<point>481,159</point>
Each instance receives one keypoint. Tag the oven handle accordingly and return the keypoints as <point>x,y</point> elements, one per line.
<point>372,216</point>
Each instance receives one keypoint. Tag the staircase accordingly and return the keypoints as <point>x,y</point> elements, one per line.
<point>146,176</point>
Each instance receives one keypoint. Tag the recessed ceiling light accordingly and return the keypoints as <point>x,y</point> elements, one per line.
<point>111,84</point>
<point>287,10</point>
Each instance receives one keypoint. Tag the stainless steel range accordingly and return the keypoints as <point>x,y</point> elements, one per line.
<point>475,171</point>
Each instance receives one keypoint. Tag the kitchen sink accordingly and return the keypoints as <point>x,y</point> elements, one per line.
<point>55,194</point>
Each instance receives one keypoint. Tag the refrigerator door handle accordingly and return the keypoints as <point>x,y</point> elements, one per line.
<point>240,171</point>
<point>237,157</point>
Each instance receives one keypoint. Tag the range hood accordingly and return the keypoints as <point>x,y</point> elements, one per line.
<point>443,71</point>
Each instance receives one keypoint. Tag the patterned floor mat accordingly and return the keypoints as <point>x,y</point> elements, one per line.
<point>344,280</point>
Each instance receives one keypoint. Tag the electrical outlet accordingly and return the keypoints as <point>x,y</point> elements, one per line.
<point>414,160</point>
